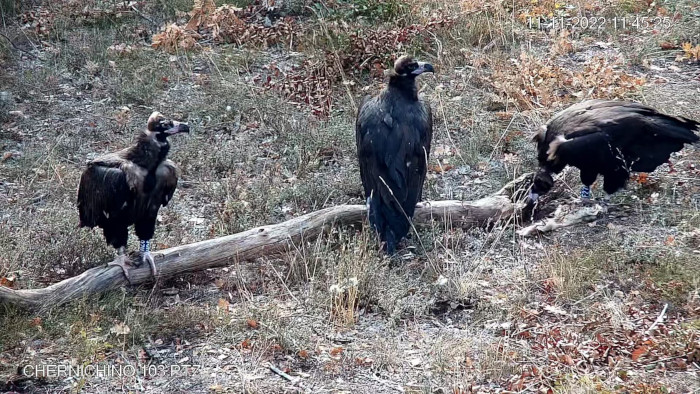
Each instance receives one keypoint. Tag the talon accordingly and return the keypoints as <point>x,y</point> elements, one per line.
<point>122,262</point>
<point>147,257</point>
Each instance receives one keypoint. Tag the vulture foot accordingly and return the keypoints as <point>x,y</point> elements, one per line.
<point>121,261</point>
<point>588,202</point>
<point>147,257</point>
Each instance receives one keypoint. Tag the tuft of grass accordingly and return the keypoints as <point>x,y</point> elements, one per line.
<point>677,277</point>
<point>572,274</point>
<point>344,302</point>
<point>498,362</point>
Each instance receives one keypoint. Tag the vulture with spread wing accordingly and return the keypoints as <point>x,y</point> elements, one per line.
<point>128,187</point>
<point>393,132</point>
<point>608,138</point>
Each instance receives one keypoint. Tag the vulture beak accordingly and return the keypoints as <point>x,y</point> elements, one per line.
<point>178,128</point>
<point>423,67</point>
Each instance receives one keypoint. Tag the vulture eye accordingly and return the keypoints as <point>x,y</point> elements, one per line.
<point>164,125</point>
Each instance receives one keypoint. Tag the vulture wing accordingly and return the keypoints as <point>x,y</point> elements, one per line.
<point>166,181</point>
<point>426,137</point>
<point>103,193</point>
<point>593,133</point>
<point>381,150</point>
<point>370,137</point>
<point>159,188</point>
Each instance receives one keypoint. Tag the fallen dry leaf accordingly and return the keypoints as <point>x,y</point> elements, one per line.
<point>568,360</point>
<point>223,305</point>
<point>554,309</point>
<point>639,352</point>
<point>336,351</point>
<point>440,168</point>
<point>7,281</point>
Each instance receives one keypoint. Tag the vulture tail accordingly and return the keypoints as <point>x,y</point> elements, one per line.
<point>389,221</point>
<point>677,129</point>
<point>669,134</point>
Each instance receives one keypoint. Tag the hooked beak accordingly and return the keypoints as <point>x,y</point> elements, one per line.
<point>423,67</point>
<point>178,128</point>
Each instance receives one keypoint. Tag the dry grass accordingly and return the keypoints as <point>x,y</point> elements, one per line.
<point>458,311</point>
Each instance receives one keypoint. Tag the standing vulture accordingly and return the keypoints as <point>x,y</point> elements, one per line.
<point>128,187</point>
<point>393,133</point>
<point>608,138</point>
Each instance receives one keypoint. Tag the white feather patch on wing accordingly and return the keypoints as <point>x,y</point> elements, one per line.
<point>553,146</point>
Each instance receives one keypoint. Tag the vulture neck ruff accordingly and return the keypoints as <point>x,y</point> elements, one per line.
<point>149,150</point>
<point>403,84</point>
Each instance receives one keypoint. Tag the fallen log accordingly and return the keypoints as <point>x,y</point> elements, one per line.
<point>263,241</point>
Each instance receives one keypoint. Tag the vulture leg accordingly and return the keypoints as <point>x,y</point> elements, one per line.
<point>117,234</point>
<point>587,178</point>
<point>144,230</point>
<point>585,192</point>
<point>390,243</point>
<point>146,255</point>
<point>122,262</point>
<point>615,180</point>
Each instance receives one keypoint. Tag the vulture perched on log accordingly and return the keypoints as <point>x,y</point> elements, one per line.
<point>128,187</point>
<point>608,138</point>
<point>393,133</point>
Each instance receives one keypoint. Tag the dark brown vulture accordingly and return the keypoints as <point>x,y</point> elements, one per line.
<point>393,133</point>
<point>129,187</point>
<point>608,138</point>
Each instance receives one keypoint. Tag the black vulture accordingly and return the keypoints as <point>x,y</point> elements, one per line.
<point>393,134</point>
<point>608,138</point>
<point>128,187</point>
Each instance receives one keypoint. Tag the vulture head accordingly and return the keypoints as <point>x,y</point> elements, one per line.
<point>541,184</point>
<point>406,66</point>
<point>164,128</point>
